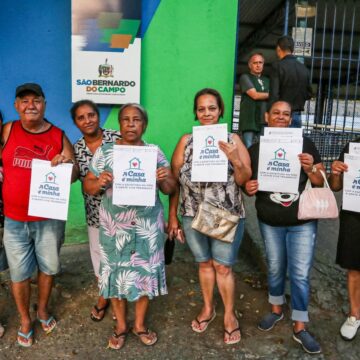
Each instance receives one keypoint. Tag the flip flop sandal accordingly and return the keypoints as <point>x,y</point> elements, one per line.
<point>28,337</point>
<point>229,333</point>
<point>48,325</point>
<point>2,330</point>
<point>119,340</point>
<point>207,322</point>
<point>145,336</point>
<point>99,310</point>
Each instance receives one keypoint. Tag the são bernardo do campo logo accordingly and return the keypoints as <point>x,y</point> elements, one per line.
<point>105,86</point>
<point>134,173</point>
<point>210,151</point>
<point>279,163</point>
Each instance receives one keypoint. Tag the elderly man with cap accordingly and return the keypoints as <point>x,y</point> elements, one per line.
<point>31,242</point>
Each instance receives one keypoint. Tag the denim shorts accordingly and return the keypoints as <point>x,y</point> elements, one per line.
<point>31,244</point>
<point>205,248</point>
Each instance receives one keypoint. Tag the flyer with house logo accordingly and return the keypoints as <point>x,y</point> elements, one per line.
<point>279,165</point>
<point>351,183</point>
<point>209,163</point>
<point>134,171</point>
<point>49,190</point>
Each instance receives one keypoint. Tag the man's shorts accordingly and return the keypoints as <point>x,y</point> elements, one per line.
<point>31,244</point>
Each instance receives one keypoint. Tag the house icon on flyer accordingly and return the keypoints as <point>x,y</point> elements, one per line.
<point>135,163</point>
<point>50,178</point>
<point>280,154</point>
<point>209,141</point>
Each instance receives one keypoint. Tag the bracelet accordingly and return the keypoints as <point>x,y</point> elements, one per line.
<point>313,170</point>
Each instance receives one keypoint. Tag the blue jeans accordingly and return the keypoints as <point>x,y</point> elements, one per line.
<point>290,248</point>
<point>205,248</point>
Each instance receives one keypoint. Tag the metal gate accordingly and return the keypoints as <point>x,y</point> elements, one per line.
<point>327,37</point>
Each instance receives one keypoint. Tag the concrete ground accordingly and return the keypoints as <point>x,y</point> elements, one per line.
<point>77,337</point>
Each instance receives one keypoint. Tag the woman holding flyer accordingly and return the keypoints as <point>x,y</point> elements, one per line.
<point>289,242</point>
<point>215,257</point>
<point>348,250</point>
<point>131,237</point>
<point>86,117</point>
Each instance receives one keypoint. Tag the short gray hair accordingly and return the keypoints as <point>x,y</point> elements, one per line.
<point>142,111</point>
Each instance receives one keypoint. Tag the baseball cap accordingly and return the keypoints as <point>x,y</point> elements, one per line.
<point>29,87</point>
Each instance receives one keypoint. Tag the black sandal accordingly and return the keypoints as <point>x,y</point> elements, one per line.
<point>98,311</point>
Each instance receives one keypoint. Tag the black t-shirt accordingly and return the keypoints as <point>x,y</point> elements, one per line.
<point>341,158</point>
<point>280,209</point>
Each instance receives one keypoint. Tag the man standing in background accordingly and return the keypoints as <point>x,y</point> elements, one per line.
<point>289,80</point>
<point>254,90</point>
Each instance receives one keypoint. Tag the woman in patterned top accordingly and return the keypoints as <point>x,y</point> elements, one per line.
<point>215,257</point>
<point>131,237</point>
<point>85,115</point>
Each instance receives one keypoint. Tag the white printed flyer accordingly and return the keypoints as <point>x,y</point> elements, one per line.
<point>209,163</point>
<point>351,183</point>
<point>279,165</point>
<point>134,170</point>
<point>283,132</point>
<point>49,190</point>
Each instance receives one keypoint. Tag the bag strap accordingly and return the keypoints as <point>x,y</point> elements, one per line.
<point>325,185</point>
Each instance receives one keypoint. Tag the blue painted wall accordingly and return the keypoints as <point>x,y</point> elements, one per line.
<point>35,46</point>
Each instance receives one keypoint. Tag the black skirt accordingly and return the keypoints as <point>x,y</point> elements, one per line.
<point>348,249</point>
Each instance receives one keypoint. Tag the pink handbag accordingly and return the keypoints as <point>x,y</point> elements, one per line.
<point>317,203</point>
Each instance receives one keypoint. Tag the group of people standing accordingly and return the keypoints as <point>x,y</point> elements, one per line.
<point>126,242</point>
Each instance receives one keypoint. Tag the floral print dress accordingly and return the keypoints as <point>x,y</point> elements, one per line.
<point>131,241</point>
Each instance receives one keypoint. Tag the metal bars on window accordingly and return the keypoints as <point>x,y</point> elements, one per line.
<point>332,116</point>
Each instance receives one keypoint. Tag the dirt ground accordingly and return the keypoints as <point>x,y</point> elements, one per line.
<point>77,337</point>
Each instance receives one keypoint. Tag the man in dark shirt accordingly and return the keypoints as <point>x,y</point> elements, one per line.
<point>289,80</point>
<point>254,88</point>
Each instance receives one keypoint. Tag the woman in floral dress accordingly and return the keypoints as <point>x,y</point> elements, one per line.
<point>131,237</point>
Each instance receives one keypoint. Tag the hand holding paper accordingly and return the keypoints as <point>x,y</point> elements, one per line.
<point>306,161</point>
<point>338,167</point>
<point>230,150</point>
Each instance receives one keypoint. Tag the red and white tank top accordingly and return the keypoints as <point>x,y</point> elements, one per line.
<point>21,147</point>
